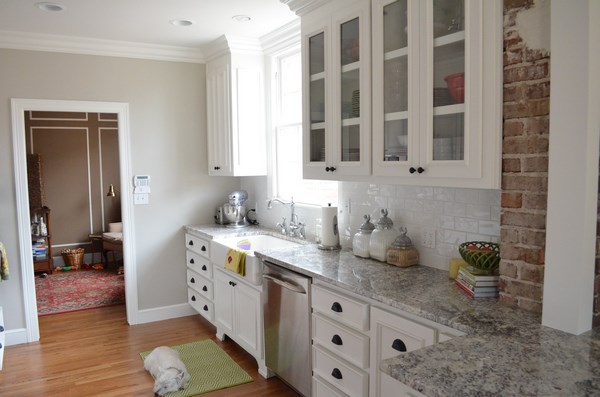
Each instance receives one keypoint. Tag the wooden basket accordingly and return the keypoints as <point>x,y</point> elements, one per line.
<point>481,255</point>
<point>73,257</point>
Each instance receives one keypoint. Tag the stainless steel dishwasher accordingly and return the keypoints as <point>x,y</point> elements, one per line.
<point>287,326</point>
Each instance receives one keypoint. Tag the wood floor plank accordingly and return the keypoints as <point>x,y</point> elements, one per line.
<point>96,353</point>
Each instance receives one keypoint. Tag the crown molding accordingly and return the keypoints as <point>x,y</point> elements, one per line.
<point>89,46</point>
<point>284,37</point>
<point>301,7</point>
<point>231,45</point>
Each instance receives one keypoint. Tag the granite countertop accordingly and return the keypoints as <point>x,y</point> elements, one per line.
<point>505,352</point>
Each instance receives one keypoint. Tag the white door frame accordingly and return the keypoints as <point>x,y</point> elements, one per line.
<point>19,107</point>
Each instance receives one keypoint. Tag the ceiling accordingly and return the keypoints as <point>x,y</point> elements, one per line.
<point>145,22</point>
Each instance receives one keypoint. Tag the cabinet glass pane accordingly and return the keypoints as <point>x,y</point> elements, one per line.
<point>350,95</point>
<point>351,143</point>
<point>350,44</point>
<point>395,140</point>
<point>448,137</point>
<point>448,17</point>
<point>395,35</point>
<point>317,101</point>
<point>449,74</point>
<point>317,145</point>
<point>395,85</point>
<point>316,45</point>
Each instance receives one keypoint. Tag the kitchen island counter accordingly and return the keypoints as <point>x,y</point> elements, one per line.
<point>505,352</point>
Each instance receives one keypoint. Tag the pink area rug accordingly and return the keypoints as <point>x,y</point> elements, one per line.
<point>78,290</point>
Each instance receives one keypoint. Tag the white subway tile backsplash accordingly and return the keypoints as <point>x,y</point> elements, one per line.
<point>466,224</point>
<point>455,209</point>
<point>479,211</point>
<point>495,213</point>
<point>466,195</point>
<point>387,190</point>
<point>490,196</point>
<point>446,222</point>
<point>413,205</point>
<point>491,228</point>
<point>443,194</point>
<point>451,236</point>
<point>433,207</point>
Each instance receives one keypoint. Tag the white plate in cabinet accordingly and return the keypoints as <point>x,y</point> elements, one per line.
<point>341,340</point>
<point>341,308</point>
<point>348,378</point>
<point>320,388</point>
<point>199,264</point>
<point>198,245</point>
<point>200,284</point>
<point>201,305</point>
<point>393,387</point>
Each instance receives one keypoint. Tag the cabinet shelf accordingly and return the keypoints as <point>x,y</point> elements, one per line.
<point>399,53</point>
<point>449,39</point>
<point>395,116</point>
<point>317,76</point>
<point>449,109</point>
<point>350,67</point>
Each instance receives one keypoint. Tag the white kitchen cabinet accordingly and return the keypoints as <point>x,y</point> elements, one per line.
<point>199,276</point>
<point>238,314</point>
<point>235,108</point>
<point>2,337</point>
<point>337,90</point>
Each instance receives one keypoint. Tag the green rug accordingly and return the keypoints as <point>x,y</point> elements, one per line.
<point>210,368</point>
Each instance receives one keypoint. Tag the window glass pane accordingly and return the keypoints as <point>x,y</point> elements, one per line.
<point>291,89</point>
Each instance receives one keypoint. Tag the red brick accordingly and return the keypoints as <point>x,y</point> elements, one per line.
<point>525,183</point>
<point>511,165</point>
<point>537,90</point>
<point>512,128</point>
<point>537,125</point>
<point>530,237</point>
<point>535,164</point>
<point>532,255</point>
<point>532,221</point>
<point>532,144</point>
<point>530,55</point>
<point>511,200</point>
<point>532,273</point>
<point>513,56</point>
<point>535,201</point>
<point>535,71</point>
<point>512,4</point>
<point>525,290</point>
<point>509,235</point>
<point>508,269</point>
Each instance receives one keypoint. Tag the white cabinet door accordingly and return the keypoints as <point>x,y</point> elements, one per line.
<point>337,90</point>
<point>223,303</point>
<point>218,106</point>
<point>247,325</point>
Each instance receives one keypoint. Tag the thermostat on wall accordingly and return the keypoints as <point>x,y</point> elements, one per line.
<point>141,189</point>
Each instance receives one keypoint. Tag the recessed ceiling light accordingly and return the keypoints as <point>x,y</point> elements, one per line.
<point>241,18</point>
<point>50,7</point>
<point>181,22</point>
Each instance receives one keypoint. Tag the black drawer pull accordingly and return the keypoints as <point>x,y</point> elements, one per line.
<point>204,289</point>
<point>191,242</point>
<point>192,280</point>
<point>399,345</point>
<point>192,261</point>
<point>336,373</point>
<point>336,307</point>
<point>193,298</point>
<point>203,248</point>
<point>204,267</point>
<point>205,308</point>
<point>336,340</point>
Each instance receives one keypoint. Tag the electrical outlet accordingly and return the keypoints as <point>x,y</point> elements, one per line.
<point>428,237</point>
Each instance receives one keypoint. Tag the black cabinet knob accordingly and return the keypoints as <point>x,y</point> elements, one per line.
<point>217,168</point>
<point>205,308</point>
<point>336,373</point>
<point>204,289</point>
<point>232,283</point>
<point>193,298</point>
<point>192,280</point>
<point>1,328</point>
<point>336,307</point>
<point>204,267</point>
<point>203,249</point>
<point>420,170</point>
<point>337,340</point>
<point>191,242</point>
<point>327,169</point>
<point>412,170</point>
<point>192,261</point>
<point>399,345</point>
<point>332,169</point>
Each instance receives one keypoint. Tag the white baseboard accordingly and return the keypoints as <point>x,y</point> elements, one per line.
<point>165,313</point>
<point>16,336</point>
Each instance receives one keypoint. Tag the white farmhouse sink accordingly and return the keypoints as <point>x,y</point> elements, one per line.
<point>249,244</point>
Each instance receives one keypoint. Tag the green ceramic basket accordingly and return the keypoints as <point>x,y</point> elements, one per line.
<point>481,255</point>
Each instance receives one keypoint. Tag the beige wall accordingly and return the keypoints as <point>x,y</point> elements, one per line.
<point>167,102</point>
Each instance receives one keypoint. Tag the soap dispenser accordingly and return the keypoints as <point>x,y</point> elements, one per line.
<point>382,237</point>
<point>362,239</point>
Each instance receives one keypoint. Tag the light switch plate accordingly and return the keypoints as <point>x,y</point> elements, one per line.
<point>428,237</point>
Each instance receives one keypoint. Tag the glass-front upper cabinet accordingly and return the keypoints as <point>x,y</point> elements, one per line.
<point>337,90</point>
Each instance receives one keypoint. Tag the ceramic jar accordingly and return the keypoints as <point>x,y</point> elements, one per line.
<point>362,239</point>
<point>402,252</point>
<point>382,237</point>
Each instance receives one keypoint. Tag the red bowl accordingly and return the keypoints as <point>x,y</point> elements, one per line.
<point>456,86</point>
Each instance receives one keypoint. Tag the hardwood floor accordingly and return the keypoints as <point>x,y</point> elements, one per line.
<point>95,353</point>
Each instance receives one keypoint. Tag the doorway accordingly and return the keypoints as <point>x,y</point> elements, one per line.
<point>19,107</point>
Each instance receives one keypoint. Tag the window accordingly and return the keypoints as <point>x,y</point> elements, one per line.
<point>286,172</point>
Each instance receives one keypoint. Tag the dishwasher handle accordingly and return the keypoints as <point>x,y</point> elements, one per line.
<point>285,284</point>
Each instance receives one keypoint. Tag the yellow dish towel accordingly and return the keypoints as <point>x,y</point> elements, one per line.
<point>235,261</point>
<point>3,263</point>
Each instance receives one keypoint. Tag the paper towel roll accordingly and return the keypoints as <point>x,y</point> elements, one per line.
<point>330,237</point>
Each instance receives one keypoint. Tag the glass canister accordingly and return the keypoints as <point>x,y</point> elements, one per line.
<point>362,239</point>
<point>402,252</point>
<point>382,237</point>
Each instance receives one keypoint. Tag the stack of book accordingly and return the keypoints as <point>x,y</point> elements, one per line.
<point>39,250</point>
<point>477,286</point>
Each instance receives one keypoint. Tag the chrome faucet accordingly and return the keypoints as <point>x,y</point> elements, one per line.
<point>295,227</point>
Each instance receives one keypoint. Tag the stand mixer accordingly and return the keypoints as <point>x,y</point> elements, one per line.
<point>233,213</point>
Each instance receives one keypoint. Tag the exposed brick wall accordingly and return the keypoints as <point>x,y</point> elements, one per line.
<point>524,165</point>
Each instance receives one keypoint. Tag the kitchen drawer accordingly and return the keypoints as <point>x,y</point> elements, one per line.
<point>201,305</point>
<point>198,245</point>
<point>395,335</point>
<point>321,388</point>
<point>393,387</point>
<point>340,307</point>
<point>199,264</point>
<point>200,284</point>
<point>341,340</point>
<point>348,378</point>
